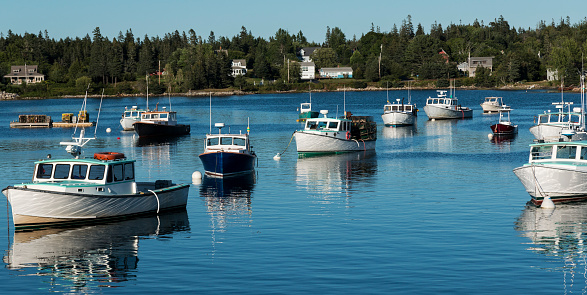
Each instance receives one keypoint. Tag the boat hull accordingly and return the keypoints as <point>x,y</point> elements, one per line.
<point>562,183</point>
<point>32,207</point>
<point>152,130</point>
<point>398,119</point>
<point>504,129</point>
<point>227,163</point>
<point>546,132</point>
<point>127,123</point>
<point>444,112</point>
<point>308,143</point>
<point>492,108</point>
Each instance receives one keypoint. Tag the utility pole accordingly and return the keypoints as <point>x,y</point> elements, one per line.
<point>159,72</point>
<point>288,70</point>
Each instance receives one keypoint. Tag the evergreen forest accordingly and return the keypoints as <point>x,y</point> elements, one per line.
<point>191,62</point>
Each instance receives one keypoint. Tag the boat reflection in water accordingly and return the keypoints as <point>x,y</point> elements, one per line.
<point>501,139</point>
<point>559,233</point>
<point>400,132</point>
<point>79,259</point>
<point>228,198</point>
<point>333,175</point>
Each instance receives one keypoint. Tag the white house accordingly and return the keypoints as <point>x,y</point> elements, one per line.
<point>239,67</point>
<point>334,73</point>
<point>24,74</point>
<point>308,70</point>
<point>306,52</point>
<point>551,74</point>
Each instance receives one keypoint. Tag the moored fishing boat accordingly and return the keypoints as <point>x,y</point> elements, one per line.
<point>504,126</point>
<point>399,114</point>
<point>160,123</point>
<point>227,154</point>
<point>549,125</point>
<point>557,170</point>
<point>129,117</point>
<point>336,135</point>
<point>493,104</point>
<point>446,107</point>
<point>86,189</point>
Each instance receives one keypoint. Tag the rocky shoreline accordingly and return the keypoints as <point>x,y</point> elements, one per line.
<point>521,87</point>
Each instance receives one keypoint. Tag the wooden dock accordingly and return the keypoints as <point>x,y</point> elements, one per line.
<point>30,125</point>
<point>71,125</point>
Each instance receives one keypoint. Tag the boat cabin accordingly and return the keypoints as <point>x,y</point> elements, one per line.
<point>132,113</point>
<point>84,170</point>
<point>558,118</point>
<point>558,151</point>
<point>238,143</point>
<point>159,117</point>
<point>493,100</point>
<point>328,124</point>
<point>394,108</point>
<point>305,107</point>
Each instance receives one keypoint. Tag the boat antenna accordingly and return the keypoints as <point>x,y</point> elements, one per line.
<point>387,83</point>
<point>210,112</point>
<point>99,109</point>
<point>169,95</point>
<point>83,108</point>
<point>147,80</point>
<point>248,129</point>
<point>582,95</point>
<point>344,100</point>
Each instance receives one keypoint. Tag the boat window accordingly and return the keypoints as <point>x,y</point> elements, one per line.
<point>79,171</point>
<point>541,152</point>
<point>333,125</point>
<point>172,116</point>
<point>583,154</point>
<point>311,125</point>
<point>322,125</point>
<point>44,170</point>
<point>566,152</point>
<point>212,141</point>
<point>387,108</point>
<point>146,116</point>
<point>61,171</point>
<point>117,172</point>
<point>129,171</point>
<point>408,108</point>
<point>226,140</point>
<point>155,116</point>
<point>163,116</point>
<point>96,172</point>
<point>239,141</point>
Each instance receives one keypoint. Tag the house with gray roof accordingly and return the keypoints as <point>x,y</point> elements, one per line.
<point>239,67</point>
<point>306,52</point>
<point>471,65</point>
<point>24,74</point>
<point>308,70</point>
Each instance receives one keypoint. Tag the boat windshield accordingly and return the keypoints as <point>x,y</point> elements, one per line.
<point>541,152</point>
<point>566,152</point>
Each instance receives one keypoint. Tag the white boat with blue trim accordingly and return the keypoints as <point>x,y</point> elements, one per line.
<point>79,189</point>
<point>446,107</point>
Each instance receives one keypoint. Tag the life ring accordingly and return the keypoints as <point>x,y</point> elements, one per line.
<point>107,156</point>
<point>348,135</point>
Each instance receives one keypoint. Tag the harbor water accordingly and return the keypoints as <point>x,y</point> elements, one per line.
<point>434,209</point>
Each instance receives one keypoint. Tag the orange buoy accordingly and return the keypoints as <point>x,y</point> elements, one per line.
<point>106,156</point>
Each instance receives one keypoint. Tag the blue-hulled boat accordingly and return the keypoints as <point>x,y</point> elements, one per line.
<point>227,154</point>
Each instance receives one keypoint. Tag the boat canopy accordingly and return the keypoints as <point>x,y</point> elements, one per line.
<point>84,170</point>
<point>227,142</point>
<point>565,151</point>
<point>305,107</point>
<point>328,124</point>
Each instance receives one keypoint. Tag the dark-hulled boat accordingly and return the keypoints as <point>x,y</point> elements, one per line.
<point>504,126</point>
<point>160,123</point>
<point>227,154</point>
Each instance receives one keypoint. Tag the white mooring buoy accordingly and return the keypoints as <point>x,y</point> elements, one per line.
<point>547,203</point>
<point>277,157</point>
<point>108,130</point>
<point>197,177</point>
<point>490,136</point>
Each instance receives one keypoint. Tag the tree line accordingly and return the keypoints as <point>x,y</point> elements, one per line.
<point>192,62</point>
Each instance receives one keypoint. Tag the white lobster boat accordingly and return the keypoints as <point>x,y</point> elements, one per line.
<point>550,125</point>
<point>336,135</point>
<point>444,107</point>
<point>557,170</point>
<point>399,114</point>
<point>85,189</point>
<point>129,117</point>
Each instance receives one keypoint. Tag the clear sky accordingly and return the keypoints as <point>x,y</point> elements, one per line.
<point>76,18</point>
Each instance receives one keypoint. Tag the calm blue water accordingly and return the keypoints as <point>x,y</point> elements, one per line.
<point>435,209</point>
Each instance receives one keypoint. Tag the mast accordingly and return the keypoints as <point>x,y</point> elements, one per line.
<point>210,112</point>
<point>147,79</point>
<point>344,100</point>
